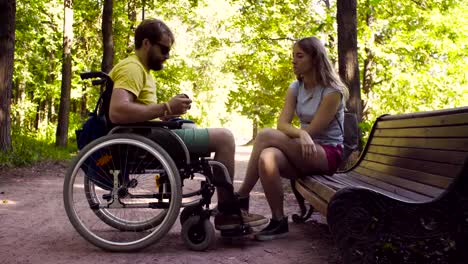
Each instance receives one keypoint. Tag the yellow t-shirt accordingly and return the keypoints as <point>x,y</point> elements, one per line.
<point>131,75</point>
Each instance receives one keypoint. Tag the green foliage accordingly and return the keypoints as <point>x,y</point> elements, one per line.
<point>419,56</point>
<point>29,149</point>
<point>262,63</point>
<point>236,64</point>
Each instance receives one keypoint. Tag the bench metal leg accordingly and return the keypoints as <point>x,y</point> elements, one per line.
<point>304,213</point>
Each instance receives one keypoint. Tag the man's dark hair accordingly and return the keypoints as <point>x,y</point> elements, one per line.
<point>153,30</point>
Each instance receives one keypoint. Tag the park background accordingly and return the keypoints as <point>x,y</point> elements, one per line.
<point>233,57</point>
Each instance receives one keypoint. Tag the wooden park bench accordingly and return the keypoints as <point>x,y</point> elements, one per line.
<point>406,198</point>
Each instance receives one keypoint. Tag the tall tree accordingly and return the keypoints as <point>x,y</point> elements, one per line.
<point>64,110</point>
<point>132,17</point>
<point>107,36</point>
<point>346,16</point>
<point>7,48</point>
<point>368,56</point>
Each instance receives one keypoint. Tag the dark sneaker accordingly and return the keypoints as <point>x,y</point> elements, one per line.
<point>243,201</point>
<point>231,221</point>
<point>275,229</point>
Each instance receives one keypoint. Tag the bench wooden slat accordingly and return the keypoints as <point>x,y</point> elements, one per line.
<point>443,169</point>
<point>398,183</point>
<point>321,189</point>
<point>442,120</point>
<point>445,156</point>
<point>426,143</point>
<point>422,177</point>
<point>391,190</point>
<point>357,180</point>
<point>330,181</point>
<point>431,132</point>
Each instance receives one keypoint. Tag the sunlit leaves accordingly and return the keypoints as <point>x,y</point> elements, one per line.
<point>262,62</point>
<point>419,55</point>
<point>236,55</point>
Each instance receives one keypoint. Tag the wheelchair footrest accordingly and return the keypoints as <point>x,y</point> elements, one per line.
<point>236,232</point>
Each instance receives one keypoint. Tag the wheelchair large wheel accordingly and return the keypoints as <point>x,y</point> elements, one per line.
<point>94,197</point>
<point>122,192</point>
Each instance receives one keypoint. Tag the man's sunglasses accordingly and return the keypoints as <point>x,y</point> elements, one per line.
<point>164,49</point>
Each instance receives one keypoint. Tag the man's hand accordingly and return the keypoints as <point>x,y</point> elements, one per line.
<point>179,104</point>
<point>168,117</point>
<point>307,144</point>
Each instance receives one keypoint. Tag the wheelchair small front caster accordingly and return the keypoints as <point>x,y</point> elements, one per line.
<point>189,211</point>
<point>198,234</point>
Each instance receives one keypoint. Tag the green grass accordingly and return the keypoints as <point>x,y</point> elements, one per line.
<point>28,148</point>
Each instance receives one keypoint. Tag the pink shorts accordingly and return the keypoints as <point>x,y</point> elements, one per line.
<point>334,157</point>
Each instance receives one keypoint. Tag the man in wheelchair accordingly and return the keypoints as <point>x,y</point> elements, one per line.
<point>134,100</point>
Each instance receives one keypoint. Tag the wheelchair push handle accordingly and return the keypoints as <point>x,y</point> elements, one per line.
<point>91,75</point>
<point>98,82</point>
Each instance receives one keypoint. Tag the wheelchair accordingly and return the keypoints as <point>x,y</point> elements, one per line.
<point>124,191</point>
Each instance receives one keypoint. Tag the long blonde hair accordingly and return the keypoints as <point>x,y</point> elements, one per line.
<point>325,73</point>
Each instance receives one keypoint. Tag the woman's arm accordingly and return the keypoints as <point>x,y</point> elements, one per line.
<point>287,114</point>
<point>325,113</point>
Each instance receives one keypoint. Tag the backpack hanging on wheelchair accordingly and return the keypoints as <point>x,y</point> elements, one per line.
<point>95,127</point>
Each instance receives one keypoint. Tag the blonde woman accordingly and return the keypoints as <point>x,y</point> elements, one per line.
<point>318,98</point>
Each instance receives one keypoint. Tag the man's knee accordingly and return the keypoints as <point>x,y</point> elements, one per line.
<point>221,138</point>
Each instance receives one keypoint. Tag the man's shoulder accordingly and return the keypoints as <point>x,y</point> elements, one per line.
<point>130,61</point>
<point>127,67</point>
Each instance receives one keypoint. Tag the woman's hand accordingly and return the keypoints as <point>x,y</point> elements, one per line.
<point>307,144</point>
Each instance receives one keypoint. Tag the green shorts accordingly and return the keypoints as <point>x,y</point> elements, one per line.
<point>196,139</point>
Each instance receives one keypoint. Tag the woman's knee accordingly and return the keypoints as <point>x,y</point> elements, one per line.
<point>273,162</point>
<point>266,135</point>
<point>267,161</point>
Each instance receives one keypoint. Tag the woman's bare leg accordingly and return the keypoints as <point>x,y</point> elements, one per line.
<point>271,163</point>
<point>289,147</point>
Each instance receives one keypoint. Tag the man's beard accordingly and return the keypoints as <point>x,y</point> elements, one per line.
<point>154,63</point>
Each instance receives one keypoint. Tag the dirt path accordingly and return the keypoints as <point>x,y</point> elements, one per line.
<point>35,229</point>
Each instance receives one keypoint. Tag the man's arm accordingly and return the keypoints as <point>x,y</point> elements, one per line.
<point>124,110</point>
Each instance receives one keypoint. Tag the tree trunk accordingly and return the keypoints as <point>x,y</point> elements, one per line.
<point>7,51</point>
<point>37,118</point>
<point>132,16</point>
<point>347,53</point>
<point>84,102</point>
<point>254,130</point>
<point>64,108</point>
<point>107,37</point>
<point>367,75</point>
<point>254,133</point>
